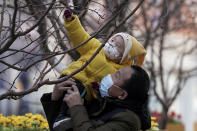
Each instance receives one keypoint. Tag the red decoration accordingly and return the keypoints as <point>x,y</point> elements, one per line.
<point>179,116</point>
<point>173,114</point>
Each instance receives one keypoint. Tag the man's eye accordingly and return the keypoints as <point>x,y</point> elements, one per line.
<point>116,75</point>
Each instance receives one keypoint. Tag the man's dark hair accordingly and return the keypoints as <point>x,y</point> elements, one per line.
<point>137,85</point>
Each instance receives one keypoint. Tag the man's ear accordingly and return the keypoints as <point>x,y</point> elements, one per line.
<point>123,95</point>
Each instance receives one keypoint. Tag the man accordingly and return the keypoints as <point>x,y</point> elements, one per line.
<point>123,108</point>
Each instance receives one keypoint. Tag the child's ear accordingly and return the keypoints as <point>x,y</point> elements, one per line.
<point>123,95</point>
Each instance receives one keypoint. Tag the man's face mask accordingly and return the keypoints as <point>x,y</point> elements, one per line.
<point>105,84</point>
<point>111,51</point>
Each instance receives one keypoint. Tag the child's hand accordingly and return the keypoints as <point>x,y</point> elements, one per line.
<point>68,16</point>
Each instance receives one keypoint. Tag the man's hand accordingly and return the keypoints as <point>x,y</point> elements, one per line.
<point>72,97</point>
<point>59,89</point>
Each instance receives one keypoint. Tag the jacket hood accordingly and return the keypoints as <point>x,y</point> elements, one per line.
<point>133,50</point>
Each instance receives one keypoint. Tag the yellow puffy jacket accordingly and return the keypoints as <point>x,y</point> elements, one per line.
<point>100,66</point>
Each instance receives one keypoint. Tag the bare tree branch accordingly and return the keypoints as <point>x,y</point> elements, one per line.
<point>2,17</point>
<point>35,87</point>
<point>14,18</point>
<point>13,38</point>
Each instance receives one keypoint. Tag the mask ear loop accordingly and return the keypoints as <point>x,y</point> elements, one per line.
<point>122,94</point>
<point>118,87</point>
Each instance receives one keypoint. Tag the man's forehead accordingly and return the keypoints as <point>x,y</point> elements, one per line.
<point>126,72</point>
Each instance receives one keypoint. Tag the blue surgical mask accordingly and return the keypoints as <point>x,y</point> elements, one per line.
<point>105,84</point>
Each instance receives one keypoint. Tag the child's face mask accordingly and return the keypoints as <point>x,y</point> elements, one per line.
<point>111,52</point>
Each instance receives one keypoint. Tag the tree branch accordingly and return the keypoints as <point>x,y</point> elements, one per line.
<point>35,88</point>
<point>14,17</point>
<point>10,42</point>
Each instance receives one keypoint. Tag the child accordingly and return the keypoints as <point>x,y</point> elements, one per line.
<point>119,52</point>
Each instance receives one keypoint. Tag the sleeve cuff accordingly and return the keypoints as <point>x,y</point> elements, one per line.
<point>72,25</point>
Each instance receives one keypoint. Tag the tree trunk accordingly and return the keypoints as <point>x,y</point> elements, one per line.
<point>164,118</point>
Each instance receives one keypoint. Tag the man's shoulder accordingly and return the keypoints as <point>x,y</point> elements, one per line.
<point>128,117</point>
<point>119,111</point>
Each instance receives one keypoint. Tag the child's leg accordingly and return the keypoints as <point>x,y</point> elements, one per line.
<point>63,109</point>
